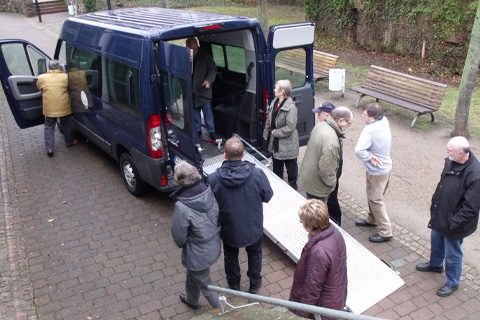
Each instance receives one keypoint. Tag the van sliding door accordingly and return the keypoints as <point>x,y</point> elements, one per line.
<point>290,48</point>
<point>175,65</point>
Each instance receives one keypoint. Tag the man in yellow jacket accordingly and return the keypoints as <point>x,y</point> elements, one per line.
<point>56,104</point>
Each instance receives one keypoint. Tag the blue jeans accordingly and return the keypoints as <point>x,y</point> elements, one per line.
<point>451,251</point>
<point>49,131</point>
<point>207,117</point>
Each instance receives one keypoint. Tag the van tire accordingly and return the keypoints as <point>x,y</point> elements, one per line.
<point>130,175</point>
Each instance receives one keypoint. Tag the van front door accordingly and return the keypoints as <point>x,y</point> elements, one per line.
<point>290,48</point>
<point>175,65</point>
<point>20,65</point>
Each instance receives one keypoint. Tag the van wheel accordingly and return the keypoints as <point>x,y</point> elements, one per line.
<point>130,175</point>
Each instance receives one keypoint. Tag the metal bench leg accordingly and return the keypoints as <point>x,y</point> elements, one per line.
<point>415,120</point>
<point>432,117</point>
<point>358,100</point>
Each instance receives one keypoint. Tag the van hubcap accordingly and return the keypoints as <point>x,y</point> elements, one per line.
<point>129,175</point>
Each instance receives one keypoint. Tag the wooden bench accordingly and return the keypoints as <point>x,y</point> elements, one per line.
<point>417,94</point>
<point>295,60</point>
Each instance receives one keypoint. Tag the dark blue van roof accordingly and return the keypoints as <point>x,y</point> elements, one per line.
<point>150,22</point>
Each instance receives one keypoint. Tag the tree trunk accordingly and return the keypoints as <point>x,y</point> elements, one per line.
<point>262,14</point>
<point>469,79</point>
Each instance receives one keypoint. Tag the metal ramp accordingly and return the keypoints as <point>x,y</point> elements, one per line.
<point>369,279</point>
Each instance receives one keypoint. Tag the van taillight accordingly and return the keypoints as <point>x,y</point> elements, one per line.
<point>265,105</point>
<point>154,132</point>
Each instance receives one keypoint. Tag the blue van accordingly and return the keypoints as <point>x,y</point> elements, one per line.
<point>131,84</point>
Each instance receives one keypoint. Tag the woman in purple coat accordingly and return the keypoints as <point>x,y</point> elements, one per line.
<point>320,278</point>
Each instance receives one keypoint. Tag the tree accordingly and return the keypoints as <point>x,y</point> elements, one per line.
<point>469,79</point>
<point>262,14</point>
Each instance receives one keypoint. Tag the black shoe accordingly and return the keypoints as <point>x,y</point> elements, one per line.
<point>50,152</point>
<point>378,238</point>
<point>425,267</point>
<point>363,223</point>
<point>446,290</point>
<point>254,290</point>
<point>235,287</point>
<point>183,298</point>
<point>213,136</point>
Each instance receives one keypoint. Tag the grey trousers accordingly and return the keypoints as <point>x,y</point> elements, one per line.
<point>49,129</point>
<point>198,281</point>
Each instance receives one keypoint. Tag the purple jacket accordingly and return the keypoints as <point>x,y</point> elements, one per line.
<point>320,278</point>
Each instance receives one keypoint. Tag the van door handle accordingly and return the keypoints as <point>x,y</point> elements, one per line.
<point>175,143</point>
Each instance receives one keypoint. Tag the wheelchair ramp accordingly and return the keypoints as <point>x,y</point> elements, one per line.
<point>369,279</point>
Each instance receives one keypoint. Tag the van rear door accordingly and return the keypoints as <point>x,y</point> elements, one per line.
<point>20,65</point>
<point>175,64</point>
<point>290,52</point>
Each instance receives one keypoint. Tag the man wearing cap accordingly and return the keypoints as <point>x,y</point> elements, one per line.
<point>318,174</point>
<point>334,210</point>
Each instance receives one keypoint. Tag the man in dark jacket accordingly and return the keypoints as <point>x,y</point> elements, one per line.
<point>240,190</point>
<point>204,73</point>
<point>453,213</point>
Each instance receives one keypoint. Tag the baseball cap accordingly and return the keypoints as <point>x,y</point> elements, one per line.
<point>327,106</point>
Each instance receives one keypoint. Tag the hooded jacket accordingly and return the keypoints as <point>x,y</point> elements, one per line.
<point>320,278</point>
<point>240,190</point>
<point>286,130</point>
<point>318,173</point>
<point>456,202</point>
<point>55,97</point>
<point>195,227</point>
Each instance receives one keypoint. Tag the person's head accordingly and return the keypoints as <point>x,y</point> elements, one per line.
<point>372,111</point>
<point>185,174</point>
<point>313,215</point>
<point>324,110</point>
<point>458,149</point>
<point>234,149</point>
<point>342,116</point>
<point>54,64</point>
<point>192,43</point>
<point>283,89</point>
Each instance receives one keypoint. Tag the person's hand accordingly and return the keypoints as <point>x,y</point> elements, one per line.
<point>375,161</point>
<point>206,84</point>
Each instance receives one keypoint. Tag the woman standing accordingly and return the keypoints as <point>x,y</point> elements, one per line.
<point>281,132</point>
<point>195,229</point>
<point>320,278</point>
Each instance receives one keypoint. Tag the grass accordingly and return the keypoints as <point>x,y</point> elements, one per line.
<point>356,74</point>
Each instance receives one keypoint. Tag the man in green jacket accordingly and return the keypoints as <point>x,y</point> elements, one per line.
<point>318,174</point>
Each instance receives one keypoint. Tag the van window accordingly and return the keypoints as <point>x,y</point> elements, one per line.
<point>229,57</point>
<point>123,82</point>
<point>16,60</point>
<point>176,100</point>
<point>291,65</point>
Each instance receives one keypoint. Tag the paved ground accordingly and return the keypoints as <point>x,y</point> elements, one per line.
<point>74,244</point>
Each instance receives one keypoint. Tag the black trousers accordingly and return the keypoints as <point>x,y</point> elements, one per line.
<point>232,266</point>
<point>332,203</point>
<point>292,170</point>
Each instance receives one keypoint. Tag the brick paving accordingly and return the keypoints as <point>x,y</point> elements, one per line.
<point>74,244</point>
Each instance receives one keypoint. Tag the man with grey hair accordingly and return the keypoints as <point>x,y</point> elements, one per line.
<point>196,229</point>
<point>241,189</point>
<point>318,174</point>
<point>56,104</point>
<point>453,213</point>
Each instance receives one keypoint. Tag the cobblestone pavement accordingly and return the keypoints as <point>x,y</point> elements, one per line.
<point>74,244</point>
